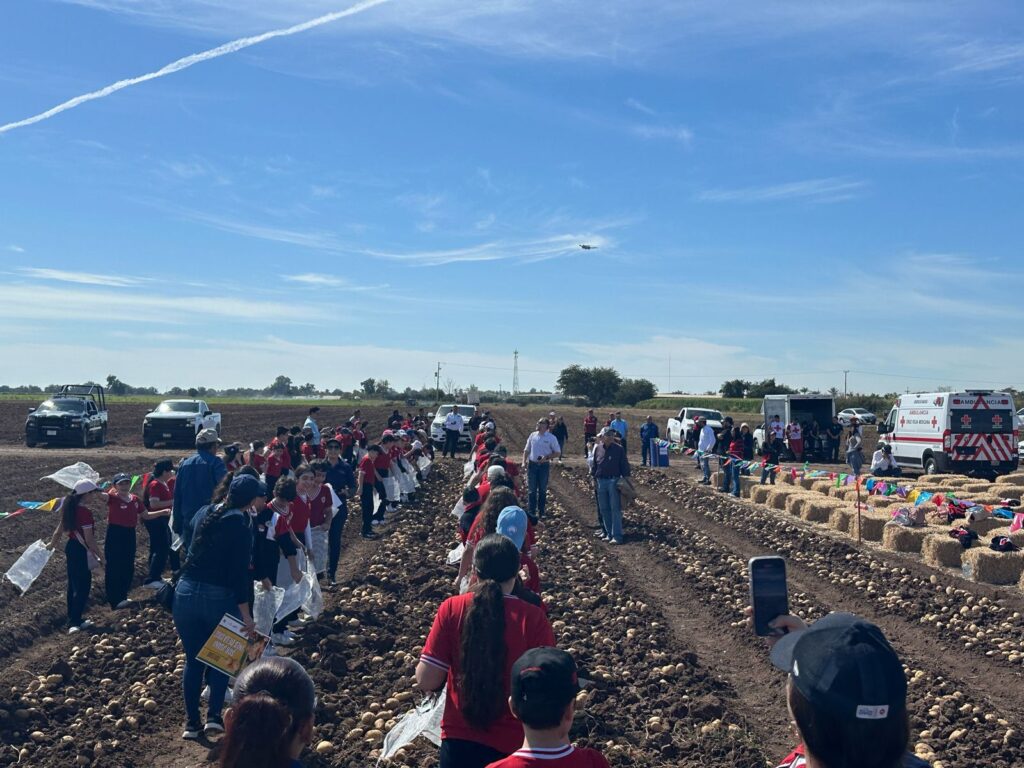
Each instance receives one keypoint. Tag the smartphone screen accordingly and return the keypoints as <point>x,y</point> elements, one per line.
<point>768,594</point>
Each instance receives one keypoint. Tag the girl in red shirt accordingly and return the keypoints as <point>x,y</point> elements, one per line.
<point>157,500</point>
<point>77,523</point>
<point>472,645</point>
<point>256,458</point>
<point>276,465</point>
<point>366,481</point>
<point>123,510</point>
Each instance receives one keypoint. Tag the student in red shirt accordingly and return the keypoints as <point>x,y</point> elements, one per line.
<point>474,640</point>
<point>366,481</point>
<point>123,510</point>
<point>233,456</point>
<point>77,523</point>
<point>282,439</point>
<point>478,522</point>
<point>382,466</point>
<point>256,458</point>
<point>157,499</point>
<point>321,513</point>
<point>544,687</point>
<point>589,431</point>
<point>277,465</point>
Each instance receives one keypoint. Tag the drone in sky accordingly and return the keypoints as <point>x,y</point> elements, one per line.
<point>588,247</point>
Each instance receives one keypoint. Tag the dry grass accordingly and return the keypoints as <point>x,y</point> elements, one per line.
<point>795,501</point>
<point>822,486</point>
<point>901,539</point>
<point>1006,490</point>
<point>819,510</point>
<point>985,565</point>
<point>872,524</point>
<point>759,493</point>
<point>938,549</point>
<point>841,519</point>
<point>981,486</point>
<point>777,497</point>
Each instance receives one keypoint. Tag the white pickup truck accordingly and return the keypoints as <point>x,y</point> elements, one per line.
<point>678,429</point>
<point>178,421</point>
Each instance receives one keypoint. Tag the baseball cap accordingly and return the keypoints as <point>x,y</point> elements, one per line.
<point>512,523</point>
<point>844,665</point>
<point>494,471</point>
<point>334,441</point>
<point>543,679</point>
<point>84,486</point>
<point>607,432</point>
<point>245,488</point>
<point>121,477</point>
<point>207,437</point>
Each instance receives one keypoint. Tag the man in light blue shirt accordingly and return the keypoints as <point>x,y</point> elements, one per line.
<point>541,448</point>
<point>311,423</point>
<point>619,425</point>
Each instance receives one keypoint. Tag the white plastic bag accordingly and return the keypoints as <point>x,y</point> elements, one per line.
<point>176,540</point>
<point>391,485</point>
<point>425,721</point>
<point>264,607</point>
<point>320,551</point>
<point>313,605</point>
<point>70,475</point>
<point>455,556</point>
<point>459,508</point>
<point>26,569</point>
<point>296,593</point>
<point>425,465</point>
<point>467,469</point>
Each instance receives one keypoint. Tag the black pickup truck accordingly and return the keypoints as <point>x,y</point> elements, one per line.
<point>75,415</point>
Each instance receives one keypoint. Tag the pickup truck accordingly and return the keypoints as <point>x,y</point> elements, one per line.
<point>178,421</point>
<point>678,429</point>
<point>76,414</point>
<point>437,425</point>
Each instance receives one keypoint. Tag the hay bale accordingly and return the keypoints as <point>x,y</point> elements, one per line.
<point>759,493</point>
<point>935,478</point>
<point>807,483</point>
<point>990,567</point>
<point>819,510</point>
<point>938,549</point>
<point>1005,490</point>
<point>1016,478</point>
<point>841,518</point>
<point>983,527</point>
<point>901,539</point>
<point>822,486</point>
<point>786,478</point>
<point>1017,537</point>
<point>747,484</point>
<point>871,524</point>
<point>837,493</point>
<point>777,496</point>
<point>884,502</point>
<point>946,480</point>
<point>976,486</point>
<point>795,501</point>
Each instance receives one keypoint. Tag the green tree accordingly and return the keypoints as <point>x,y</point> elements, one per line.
<point>369,387</point>
<point>735,388</point>
<point>632,391</point>
<point>574,381</point>
<point>282,387</point>
<point>597,385</point>
<point>115,386</point>
<point>193,392</point>
<point>769,387</point>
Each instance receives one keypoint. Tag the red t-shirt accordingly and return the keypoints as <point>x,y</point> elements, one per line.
<point>286,462</point>
<point>383,461</point>
<point>526,627</point>
<point>368,469</point>
<point>311,452</point>
<point>482,459</point>
<point>590,425</point>
<point>511,469</point>
<point>257,462</point>
<point>83,520</point>
<point>123,513</point>
<point>553,757</point>
<point>318,506</point>
<point>301,510</point>
<point>277,463</point>
<point>160,491</point>
<point>394,453</point>
<point>345,440</point>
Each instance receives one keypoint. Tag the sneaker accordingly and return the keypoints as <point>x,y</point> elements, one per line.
<point>615,541</point>
<point>154,584</point>
<point>214,726</point>
<point>279,638</point>
<point>124,604</point>
<point>369,535</point>
<point>72,630</point>
<point>87,624</point>
<point>601,534</point>
<point>390,508</point>
<point>292,637</point>
<point>192,731</point>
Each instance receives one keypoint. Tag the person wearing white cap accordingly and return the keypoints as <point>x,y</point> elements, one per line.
<point>81,551</point>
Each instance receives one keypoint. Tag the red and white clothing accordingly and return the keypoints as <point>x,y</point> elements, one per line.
<point>287,460</point>
<point>83,520</point>
<point>553,757</point>
<point>312,452</point>
<point>368,471</point>
<point>277,464</point>
<point>158,490</point>
<point>319,503</point>
<point>526,627</point>
<point>257,462</point>
<point>124,512</point>
<point>590,425</point>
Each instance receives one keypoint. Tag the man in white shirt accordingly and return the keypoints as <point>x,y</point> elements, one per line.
<point>776,428</point>
<point>705,444</point>
<point>311,423</point>
<point>453,424</point>
<point>541,448</point>
<point>883,464</point>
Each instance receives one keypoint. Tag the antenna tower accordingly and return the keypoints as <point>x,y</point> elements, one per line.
<point>515,373</point>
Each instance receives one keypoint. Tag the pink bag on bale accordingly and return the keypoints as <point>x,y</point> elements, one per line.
<point>1018,522</point>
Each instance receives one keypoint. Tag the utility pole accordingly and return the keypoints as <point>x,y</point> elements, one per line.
<point>844,382</point>
<point>515,373</point>
<point>437,382</point>
<point>669,371</point>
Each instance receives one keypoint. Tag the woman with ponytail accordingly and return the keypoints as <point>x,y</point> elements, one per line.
<point>77,523</point>
<point>271,720</point>
<point>471,647</point>
<point>215,580</point>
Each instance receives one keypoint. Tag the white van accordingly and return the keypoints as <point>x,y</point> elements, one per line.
<point>971,432</point>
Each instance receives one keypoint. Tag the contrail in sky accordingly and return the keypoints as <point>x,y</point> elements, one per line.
<point>188,61</point>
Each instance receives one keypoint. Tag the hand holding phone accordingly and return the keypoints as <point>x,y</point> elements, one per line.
<point>768,592</point>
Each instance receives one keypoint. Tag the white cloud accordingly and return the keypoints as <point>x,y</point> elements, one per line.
<point>639,106</point>
<point>15,248</point>
<point>679,133</point>
<point>828,190</point>
<point>82,278</point>
<point>311,278</point>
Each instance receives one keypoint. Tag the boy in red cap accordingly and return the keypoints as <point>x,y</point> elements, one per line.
<point>544,688</point>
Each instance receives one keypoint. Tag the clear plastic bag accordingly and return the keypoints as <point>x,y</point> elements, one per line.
<point>425,465</point>
<point>26,569</point>
<point>264,607</point>
<point>459,509</point>
<point>467,469</point>
<point>320,549</point>
<point>424,721</point>
<point>68,476</point>
<point>455,556</point>
<point>296,593</point>
<point>176,540</point>
<point>313,605</point>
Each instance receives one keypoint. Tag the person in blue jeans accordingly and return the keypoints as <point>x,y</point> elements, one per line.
<point>197,476</point>
<point>215,580</point>
<point>541,449</point>
<point>648,432</point>
<point>705,445</point>
<point>610,465</point>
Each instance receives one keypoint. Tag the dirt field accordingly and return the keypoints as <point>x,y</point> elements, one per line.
<point>655,624</point>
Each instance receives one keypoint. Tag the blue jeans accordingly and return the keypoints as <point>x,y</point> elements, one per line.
<point>705,464</point>
<point>610,506</point>
<point>198,609</point>
<point>734,470</point>
<point>537,477</point>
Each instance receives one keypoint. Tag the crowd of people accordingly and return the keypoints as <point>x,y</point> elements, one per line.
<point>229,521</point>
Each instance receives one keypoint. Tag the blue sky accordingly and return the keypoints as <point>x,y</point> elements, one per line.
<point>776,189</point>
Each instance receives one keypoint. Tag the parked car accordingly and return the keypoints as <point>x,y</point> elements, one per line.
<point>178,421</point>
<point>437,425</point>
<point>678,429</point>
<point>863,414</point>
<point>76,414</point>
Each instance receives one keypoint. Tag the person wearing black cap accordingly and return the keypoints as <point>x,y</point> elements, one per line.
<point>123,510</point>
<point>544,687</point>
<point>215,580</point>
<point>847,694</point>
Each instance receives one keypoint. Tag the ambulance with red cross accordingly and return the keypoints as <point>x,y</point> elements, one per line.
<point>971,433</point>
